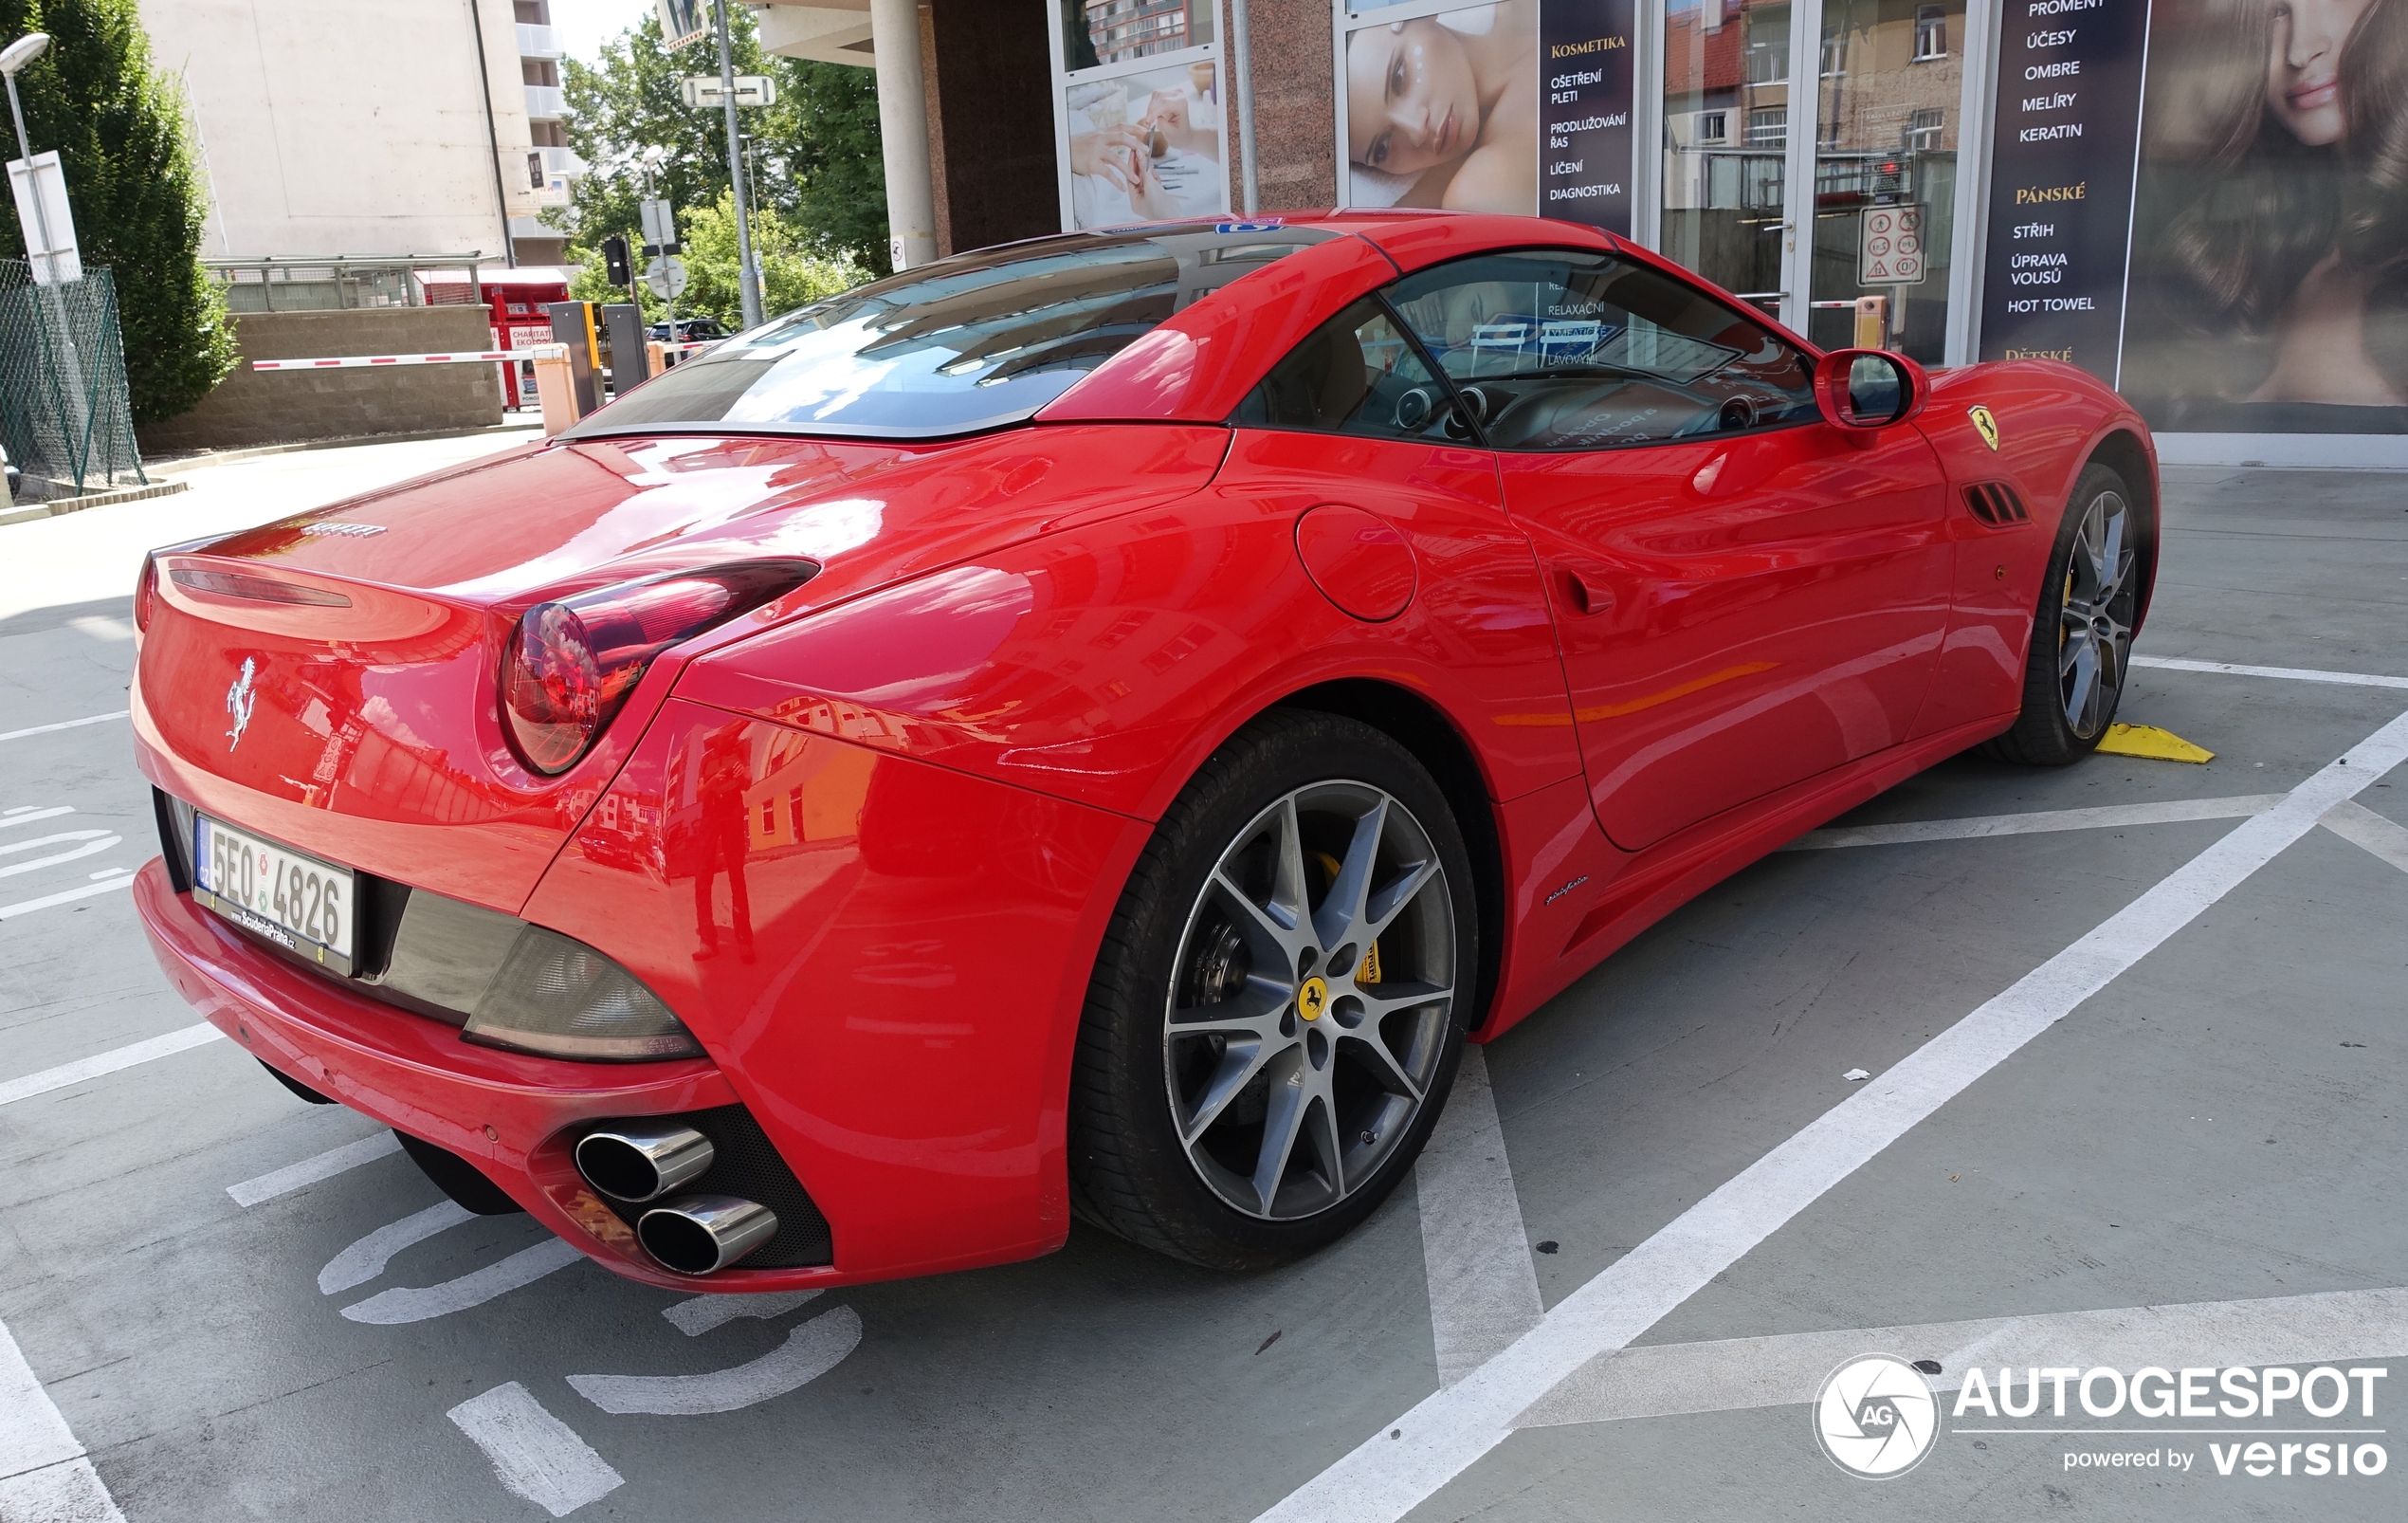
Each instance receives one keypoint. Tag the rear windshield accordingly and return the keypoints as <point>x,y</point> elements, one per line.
<point>970,342</point>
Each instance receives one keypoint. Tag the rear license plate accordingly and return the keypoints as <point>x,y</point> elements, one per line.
<point>298,902</point>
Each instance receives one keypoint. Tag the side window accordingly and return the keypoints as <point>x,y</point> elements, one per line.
<point>1356,375</point>
<point>1558,349</point>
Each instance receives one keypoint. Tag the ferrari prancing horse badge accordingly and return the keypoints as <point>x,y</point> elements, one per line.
<point>1985,425</point>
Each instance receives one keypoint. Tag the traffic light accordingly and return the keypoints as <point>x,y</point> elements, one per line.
<point>620,268</point>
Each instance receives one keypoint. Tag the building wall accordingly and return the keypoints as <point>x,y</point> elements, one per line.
<point>357,127</point>
<point>988,72</point>
<point>1295,105</point>
<point>277,407</point>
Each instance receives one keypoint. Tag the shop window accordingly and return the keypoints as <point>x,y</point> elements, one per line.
<point>1931,34</point>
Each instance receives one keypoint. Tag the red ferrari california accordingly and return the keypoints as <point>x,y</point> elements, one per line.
<point>1089,727</point>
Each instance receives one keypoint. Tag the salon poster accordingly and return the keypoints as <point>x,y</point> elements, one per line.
<point>2068,111</point>
<point>1517,105</point>
<point>1147,147</point>
<point>2269,249</point>
<point>1585,95</point>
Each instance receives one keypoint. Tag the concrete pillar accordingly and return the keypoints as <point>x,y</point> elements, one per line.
<point>902,130</point>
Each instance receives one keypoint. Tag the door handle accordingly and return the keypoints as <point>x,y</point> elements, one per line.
<point>1583,595</point>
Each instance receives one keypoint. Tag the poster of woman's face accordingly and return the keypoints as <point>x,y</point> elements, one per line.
<point>1443,111</point>
<point>1147,146</point>
<point>2270,250</point>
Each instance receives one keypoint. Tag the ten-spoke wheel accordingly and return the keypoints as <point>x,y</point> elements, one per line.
<point>1279,1006</point>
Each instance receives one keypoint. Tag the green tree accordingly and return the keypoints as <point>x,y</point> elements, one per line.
<point>816,163</point>
<point>792,274</point>
<point>120,129</point>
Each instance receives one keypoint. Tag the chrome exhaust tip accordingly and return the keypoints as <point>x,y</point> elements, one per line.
<point>703,1233</point>
<point>643,1160</point>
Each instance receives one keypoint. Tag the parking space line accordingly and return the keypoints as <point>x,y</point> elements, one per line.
<point>402,1304</point>
<point>809,1351</point>
<point>24,907</point>
<point>29,815</point>
<point>65,724</point>
<point>197,1035</point>
<point>44,1473</point>
<point>703,1312</point>
<point>2361,826</point>
<point>535,1455</point>
<point>1978,826</point>
<point>366,1260</point>
<point>1384,1478</point>
<point>327,1165</point>
<point>1670,1380</point>
<point>1483,1293</point>
<point>2230,669</point>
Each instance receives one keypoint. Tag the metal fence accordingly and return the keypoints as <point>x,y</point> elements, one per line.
<point>64,409</point>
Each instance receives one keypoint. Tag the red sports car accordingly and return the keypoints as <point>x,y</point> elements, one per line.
<point>1088,726</point>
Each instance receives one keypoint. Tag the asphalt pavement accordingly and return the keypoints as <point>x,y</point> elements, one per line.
<point>2134,1073</point>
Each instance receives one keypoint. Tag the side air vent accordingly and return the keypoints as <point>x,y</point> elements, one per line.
<point>1996,503</point>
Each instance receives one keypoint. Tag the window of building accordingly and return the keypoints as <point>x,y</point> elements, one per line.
<point>1768,60</point>
<point>1095,32</point>
<point>1931,32</point>
<point>1923,128</point>
<point>1834,58</point>
<point>1714,127</point>
<point>1768,125</point>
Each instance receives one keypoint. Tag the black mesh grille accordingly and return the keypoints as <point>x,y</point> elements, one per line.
<point>745,1165</point>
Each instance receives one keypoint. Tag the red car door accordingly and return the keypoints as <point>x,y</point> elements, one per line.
<point>1743,596</point>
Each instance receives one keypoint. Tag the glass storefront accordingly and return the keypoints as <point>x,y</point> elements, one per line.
<point>1138,102</point>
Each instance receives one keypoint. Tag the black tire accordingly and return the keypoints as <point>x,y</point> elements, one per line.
<point>1146,1163</point>
<point>2078,666</point>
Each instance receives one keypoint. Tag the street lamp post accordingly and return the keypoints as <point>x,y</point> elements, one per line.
<point>75,406</point>
<point>748,281</point>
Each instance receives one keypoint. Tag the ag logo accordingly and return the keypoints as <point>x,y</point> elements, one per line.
<point>1985,425</point>
<point>1875,1418</point>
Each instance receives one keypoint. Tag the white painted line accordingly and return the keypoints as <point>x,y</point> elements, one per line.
<point>392,1308</point>
<point>27,907</point>
<point>809,1351</point>
<point>65,724</point>
<point>28,816</point>
<point>44,1476</point>
<point>2347,679</point>
<point>94,841</point>
<point>1980,826</point>
<point>1383,1478</point>
<point>366,1260</point>
<point>197,1035</point>
<point>1668,1380</point>
<point>535,1455</point>
<point>2361,826</point>
<point>1483,1293</point>
<point>703,1312</point>
<point>71,1491</point>
<point>327,1165</point>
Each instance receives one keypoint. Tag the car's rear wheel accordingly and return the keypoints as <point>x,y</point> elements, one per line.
<point>2082,639</point>
<point>1279,1005</point>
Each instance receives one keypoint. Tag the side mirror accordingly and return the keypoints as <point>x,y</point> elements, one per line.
<point>1863,391</point>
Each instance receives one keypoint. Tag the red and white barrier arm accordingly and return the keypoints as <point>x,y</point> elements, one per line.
<point>480,357</point>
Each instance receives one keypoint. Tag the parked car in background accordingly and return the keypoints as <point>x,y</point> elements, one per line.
<point>690,330</point>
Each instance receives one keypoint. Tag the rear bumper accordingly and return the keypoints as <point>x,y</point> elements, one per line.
<point>505,1111</point>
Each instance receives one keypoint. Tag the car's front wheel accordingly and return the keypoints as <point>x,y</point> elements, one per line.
<point>2081,637</point>
<point>1280,1003</point>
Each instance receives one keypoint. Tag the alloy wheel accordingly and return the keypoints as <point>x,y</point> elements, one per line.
<point>2094,625</point>
<point>1308,1009</point>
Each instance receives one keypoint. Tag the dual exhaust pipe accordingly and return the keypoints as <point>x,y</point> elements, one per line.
<point>643,1160</point>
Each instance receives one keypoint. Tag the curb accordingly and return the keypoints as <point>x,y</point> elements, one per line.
<point>76,505</point>
<point>176,465</point>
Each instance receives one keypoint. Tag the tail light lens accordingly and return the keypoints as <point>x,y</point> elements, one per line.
<point>572,663</point>
<point>146,587</point>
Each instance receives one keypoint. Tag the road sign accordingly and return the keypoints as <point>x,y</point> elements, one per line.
<point>666,277</point>
<point>42,181</point>
<point>660,227</point>
<point>703,93</point>
<point>1890,247</point>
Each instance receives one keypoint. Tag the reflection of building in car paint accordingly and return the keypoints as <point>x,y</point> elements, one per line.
<point>813,790</point>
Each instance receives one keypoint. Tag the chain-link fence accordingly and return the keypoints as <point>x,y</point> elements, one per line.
<point>63,409</point>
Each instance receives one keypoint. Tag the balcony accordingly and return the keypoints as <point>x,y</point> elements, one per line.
<point>543,102</point>
<point>537,42</point>
<point>558,163</point>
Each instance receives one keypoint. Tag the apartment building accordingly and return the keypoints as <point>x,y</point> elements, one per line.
<point>372,126</point>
